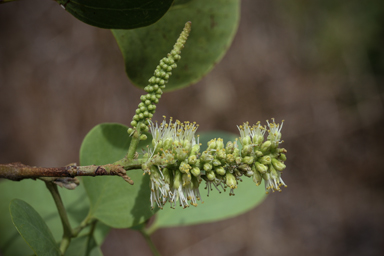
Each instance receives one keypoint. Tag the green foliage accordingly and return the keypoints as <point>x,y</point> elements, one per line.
<point>83,246</point>
<point>36,194</point>
<point>113,201</point>
<point>116,13</point>
<point>214,25</point>
<point>216,206</point>
<point>33,229</point>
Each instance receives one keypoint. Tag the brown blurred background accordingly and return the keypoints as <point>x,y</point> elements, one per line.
<point>317,64</point>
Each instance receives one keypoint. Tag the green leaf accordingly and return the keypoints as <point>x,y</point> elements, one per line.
<point>214,25</point>
<point>114,201</point>
<point>216,206</point>
<point>32,228</point>
<point>117,13</point>
<point>37,195</point>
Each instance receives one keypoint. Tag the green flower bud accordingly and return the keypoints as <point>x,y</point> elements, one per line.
<point>186,178</point>
<point>282,156</point>
<point>212,144</point>
<point>259,153</point>
<point>247,150</point>
<point>261,167</point>
<point>278,165</point>
<point>206,157</point>
<point>133,123</point>
<point>230,158</point>
<point>184,167</point>
<point>143,137</point>
<point>229,147</point>
<point>220,170</point>
<point>207,167</point>
<point>195,149</point>
<point>258,139</point>
<point>238,160</point>
<point>167,175</point>
<point>219,143</point>
<point>246,141</point>
<point>266,146</point>
<point>168,143</point>
<point>195,171</point>
<point>210,175</point>
<point>249,173</point>
<point>236,152</point>
<point>130,131</point>
<point>230,180</point>
<point>220,154</point>
<point>265,159</point>
<point>192,159</point>
<point>245,167</point>
<point>248,160</point>
<point>177,181</point>
<point>257,178</point>
<point>216,162</point>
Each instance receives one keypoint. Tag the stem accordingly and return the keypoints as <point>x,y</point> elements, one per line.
<point>90,236</point>
<point>134,142</point>
<point>18,171</point>
<point>151,245</point>
<point>67,235</point>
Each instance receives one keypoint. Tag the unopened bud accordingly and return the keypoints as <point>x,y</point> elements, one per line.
<point>265,147</point>
<point>265,160</point>
<point>229,147</point>
<point>207,167</point>
<point>230,180</point>
<point>278,165</point>
<point>248,160</point>
<point>261,167</point>
<point>219,144</point>
<point>210,175</point>
<point>195,171</point>
<point>220,170</point>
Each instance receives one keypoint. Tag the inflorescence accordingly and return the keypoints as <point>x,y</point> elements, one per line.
<point>157,82</point>
<point>177,168</point>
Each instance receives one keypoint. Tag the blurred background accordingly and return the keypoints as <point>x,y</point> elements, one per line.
<point>319,65</point>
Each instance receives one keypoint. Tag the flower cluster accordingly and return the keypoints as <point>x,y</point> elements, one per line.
<point>157,82</point>
<point>176,166</point>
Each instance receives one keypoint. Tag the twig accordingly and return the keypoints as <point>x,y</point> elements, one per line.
<point>19,171</point>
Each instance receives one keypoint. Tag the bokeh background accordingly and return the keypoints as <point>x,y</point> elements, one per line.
<point>319,65</point>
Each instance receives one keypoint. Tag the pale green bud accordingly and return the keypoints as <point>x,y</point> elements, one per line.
<point>245,167</point>
<point>265,160</point>
<point>216,162</point>
<point>192,159</point>
<point>246,141</point>
<point>248,160</point>
<point>130,131</point>
<point>230,158</point>
<point>220,154</point>
<point>206,157</point>
<point>212,144</point>
<point>207,167</point>
<point>257,178</point>
<point>195,171</point>
<point>184,167</point>
<point>219,143</point>
<point>143,137</point>
<point>195,149</point>
<point>177,181</point>
<point>266,146</point>
<point>229,148</point>
<point>168,143</point>
<point>167,175</point>
<point>259,153</point>
<point>230,180</point>
<point>210,175</point>
<point>283,157</point>
<point>278,165</point>
<point>186,178</point>
<point>261,167</point>
<point>258,140</point>
<point>238,160</point>
<point>247,150</point>
<point>236,152</point>
<point>220,170</point>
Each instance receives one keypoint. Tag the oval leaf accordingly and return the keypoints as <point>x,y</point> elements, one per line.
<point>33,229</point>
<point>214,24</point>
<point>216,206</point>
<point>117,13</point>
<point>114,201</point>
<point>36,194</point>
